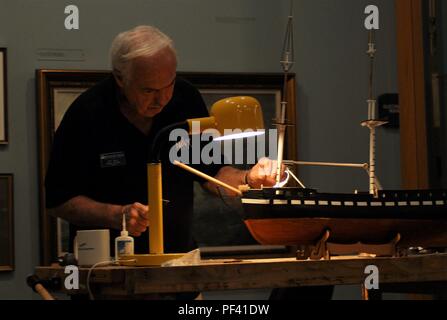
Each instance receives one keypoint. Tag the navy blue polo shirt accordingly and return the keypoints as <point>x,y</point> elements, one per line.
<point>99,154</point>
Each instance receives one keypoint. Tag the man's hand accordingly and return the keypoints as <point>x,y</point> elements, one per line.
<point>137,218</point>
<point>264,173</point>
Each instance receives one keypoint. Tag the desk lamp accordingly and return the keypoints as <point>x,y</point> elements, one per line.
<point>242,113</point>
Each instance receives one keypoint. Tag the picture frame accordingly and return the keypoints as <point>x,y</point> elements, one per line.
<point>6,222</point>
<point>3,98</point>
<point>56,88</point>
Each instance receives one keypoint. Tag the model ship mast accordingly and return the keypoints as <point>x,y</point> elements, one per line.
<point>372,123</point>
<point>379,222</point>
<point>287,61</point>
<point>287,64</point>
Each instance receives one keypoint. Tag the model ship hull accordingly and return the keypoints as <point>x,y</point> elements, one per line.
<point>293,216</point>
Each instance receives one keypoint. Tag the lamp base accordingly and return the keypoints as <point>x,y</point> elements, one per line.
<point>144,260</point>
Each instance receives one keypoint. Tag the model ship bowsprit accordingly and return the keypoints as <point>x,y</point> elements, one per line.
<point>302,216</point>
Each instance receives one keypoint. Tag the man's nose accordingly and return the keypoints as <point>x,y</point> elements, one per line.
<point>163,96</point>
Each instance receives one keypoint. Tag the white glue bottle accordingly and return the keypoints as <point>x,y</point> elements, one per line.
<point>124,244</point>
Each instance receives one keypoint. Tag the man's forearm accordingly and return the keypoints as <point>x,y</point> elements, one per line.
<point>83,211</point>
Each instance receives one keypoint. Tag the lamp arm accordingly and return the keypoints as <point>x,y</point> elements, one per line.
<point>162,137</point>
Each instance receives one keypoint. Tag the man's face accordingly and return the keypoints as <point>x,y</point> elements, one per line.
<point>151,83</point>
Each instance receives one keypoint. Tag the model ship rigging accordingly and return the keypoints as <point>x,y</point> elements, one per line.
<point>303,216</point>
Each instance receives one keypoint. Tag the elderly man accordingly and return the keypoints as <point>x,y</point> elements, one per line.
<point>97,167</point>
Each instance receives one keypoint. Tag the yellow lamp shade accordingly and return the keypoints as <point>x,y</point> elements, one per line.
<point>234,114</point>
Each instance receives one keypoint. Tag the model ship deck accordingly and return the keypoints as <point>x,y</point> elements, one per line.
<point>294,216</point>
<point>293,202</point>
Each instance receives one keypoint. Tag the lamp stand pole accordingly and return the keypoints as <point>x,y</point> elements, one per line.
<point>156,254</point>
<point>155,197</point>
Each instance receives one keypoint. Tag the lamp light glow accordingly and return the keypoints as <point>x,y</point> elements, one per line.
<point>240,135</point>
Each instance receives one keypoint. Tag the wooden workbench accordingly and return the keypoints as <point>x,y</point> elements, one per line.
<point>231,274</point>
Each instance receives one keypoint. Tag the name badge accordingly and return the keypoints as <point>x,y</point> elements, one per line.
<point>115,159</point>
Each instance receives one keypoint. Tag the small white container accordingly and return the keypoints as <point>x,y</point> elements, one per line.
<point>124,244</point>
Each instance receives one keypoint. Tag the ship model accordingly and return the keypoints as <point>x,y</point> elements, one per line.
<point>361,222</point>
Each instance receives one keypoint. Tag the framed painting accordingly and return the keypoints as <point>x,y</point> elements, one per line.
<point>3,99</point>
<point>57,89</point>
<point>6,223</point>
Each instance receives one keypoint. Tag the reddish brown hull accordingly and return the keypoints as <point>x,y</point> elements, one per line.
<point>306,231</point>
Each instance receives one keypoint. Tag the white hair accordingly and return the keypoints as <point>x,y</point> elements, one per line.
<point>142,41</point>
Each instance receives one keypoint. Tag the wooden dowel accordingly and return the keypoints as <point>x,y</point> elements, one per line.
<point>43,292</point>
<point>327,164</point>
<point>207,177</point>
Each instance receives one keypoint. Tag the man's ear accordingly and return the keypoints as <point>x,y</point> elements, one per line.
<point>118,78</point>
